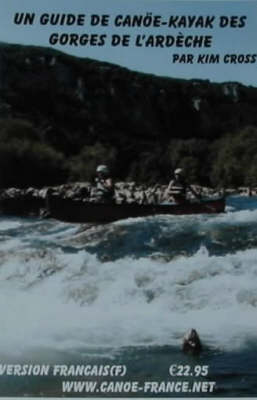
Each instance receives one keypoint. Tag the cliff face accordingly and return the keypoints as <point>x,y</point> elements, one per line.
<point>73,103</point>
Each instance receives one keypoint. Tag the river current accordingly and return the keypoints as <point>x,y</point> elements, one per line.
<point>125,293</point>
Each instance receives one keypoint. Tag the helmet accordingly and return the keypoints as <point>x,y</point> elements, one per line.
<point>178,171</point>
<point>102,168</point>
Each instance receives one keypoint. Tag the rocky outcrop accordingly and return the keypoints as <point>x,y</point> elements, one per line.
<point>33,201</point>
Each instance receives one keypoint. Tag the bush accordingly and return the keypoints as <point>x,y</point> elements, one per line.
<point>191,155</point>
<point>25,163</point>
<point>83,166</point>
<point>235,160</point>
<point>14,128</point>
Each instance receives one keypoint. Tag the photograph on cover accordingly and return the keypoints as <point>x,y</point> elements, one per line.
<point>128,173</point>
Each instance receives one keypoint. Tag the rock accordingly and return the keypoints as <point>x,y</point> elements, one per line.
<point>32,200</point>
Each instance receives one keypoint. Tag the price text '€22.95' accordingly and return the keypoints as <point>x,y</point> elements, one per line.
<point>188,370</point>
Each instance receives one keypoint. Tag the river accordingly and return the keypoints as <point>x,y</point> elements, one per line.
<point>124,294</point>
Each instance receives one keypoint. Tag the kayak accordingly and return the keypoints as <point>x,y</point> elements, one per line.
<point>71,210</point>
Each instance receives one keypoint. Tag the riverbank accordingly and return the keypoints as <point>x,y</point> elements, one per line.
<point>33,201</point>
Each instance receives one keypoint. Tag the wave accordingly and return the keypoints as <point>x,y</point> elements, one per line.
<point>140,282</point>
<point>68,301</point>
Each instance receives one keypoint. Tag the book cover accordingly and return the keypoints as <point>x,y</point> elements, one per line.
<point>128,142</point>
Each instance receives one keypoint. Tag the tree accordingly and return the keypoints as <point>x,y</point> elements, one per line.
<point>25,163</point>
<point>235,161</point>
<point>83,166</point>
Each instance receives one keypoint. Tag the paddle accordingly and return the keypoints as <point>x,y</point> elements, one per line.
<point>197,195</point>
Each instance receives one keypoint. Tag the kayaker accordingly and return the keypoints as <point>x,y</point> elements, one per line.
<point>192,343</point>
<point>177,188</point>
<point>104,185</point>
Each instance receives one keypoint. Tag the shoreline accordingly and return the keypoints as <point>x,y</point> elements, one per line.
<point>33,201</point>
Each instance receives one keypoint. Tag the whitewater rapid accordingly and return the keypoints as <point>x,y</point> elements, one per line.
<point>57,291</point>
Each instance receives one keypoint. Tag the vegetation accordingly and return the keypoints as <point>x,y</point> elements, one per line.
<point>60,116</point>
<point>83,166</point>
<point>235,162</point>
<point>24,160</point>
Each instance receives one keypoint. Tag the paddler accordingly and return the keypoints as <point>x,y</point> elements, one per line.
<point>104,185</point>
<point>177,188</point>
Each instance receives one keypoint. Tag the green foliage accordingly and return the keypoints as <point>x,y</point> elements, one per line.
<point>191,155</point>
<point>191,168</point>
<point>235,161</point>
<point>24,160</point>
<point>143,126</point>
<point>83,166</point>
<point>13,128</point>
<point>25,163</point>
<point>147,167</point>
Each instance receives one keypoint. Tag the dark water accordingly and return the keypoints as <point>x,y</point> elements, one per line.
<point>124,294</point>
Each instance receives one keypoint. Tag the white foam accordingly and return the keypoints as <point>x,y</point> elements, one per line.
<point>127,302</point>
<point>64,301</point>
<point>6,225</point>
<point>243,216</point>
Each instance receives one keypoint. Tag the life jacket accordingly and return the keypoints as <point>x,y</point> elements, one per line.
<point>177,187</point>
<point>102,191</point>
